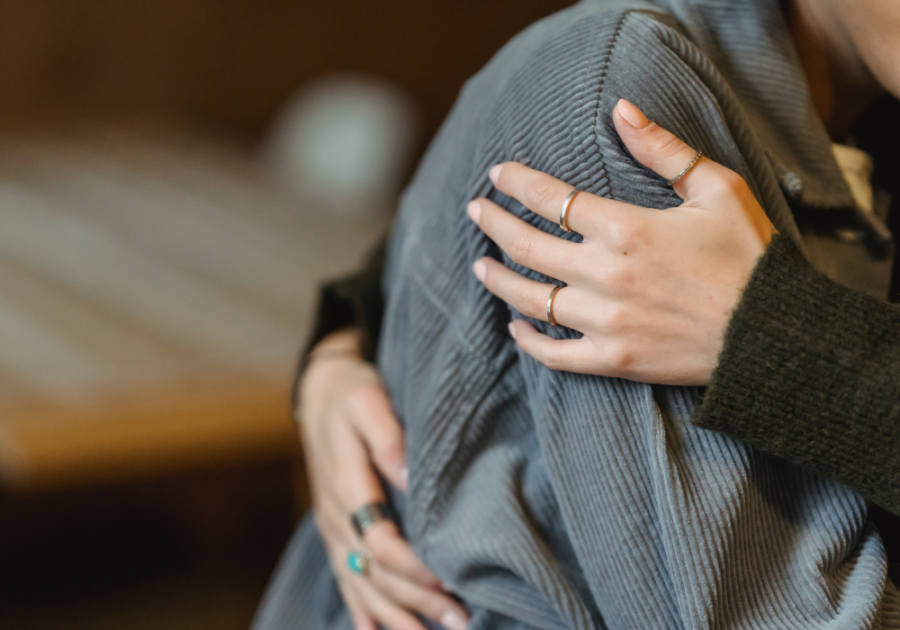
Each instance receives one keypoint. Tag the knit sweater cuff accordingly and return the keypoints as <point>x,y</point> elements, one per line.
<point>354,301</point>
<point>808,373</point>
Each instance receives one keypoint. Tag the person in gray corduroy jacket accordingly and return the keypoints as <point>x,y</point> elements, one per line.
<point>550,499</point>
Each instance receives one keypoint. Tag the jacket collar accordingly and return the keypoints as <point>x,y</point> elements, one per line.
<point>751,46</point>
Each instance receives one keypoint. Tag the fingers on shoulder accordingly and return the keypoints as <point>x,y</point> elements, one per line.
<point>574,355</point>
<point>546,196</point>
<point>557,354</point>
<point>362,619</point>
<point>372,416</point>
<point>395,554</point>
<point>537,191</point>
<point>654,146</point>
<point>388,614</point>
<point>667,154</point>
<point>428,602</point>
<point>529,297</point>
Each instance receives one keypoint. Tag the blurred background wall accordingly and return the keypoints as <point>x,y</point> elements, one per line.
<point>230,64</point>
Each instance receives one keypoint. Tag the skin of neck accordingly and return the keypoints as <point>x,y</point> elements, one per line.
<point>841,85</point>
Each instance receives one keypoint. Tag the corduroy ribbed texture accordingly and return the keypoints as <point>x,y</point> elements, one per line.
<point>554,500</point>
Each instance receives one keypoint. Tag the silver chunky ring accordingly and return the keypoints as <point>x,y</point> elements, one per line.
<point>687,168</point>
<point>564,213</point>
<point>550,317</point>
<point>364,517</point>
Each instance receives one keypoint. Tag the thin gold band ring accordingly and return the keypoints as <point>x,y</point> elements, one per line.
<point>564,213</point>
<point>550,317</point>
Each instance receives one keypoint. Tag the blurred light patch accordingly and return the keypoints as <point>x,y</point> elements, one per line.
<point>345,142</point>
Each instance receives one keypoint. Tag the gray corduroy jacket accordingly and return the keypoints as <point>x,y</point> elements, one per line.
<point>554,500</point>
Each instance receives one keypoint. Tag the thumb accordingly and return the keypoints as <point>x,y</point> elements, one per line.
<point>373,418</point>
<point>656,148</point>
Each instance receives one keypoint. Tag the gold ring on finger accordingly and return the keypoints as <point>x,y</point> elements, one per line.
<point>564,213</point>
<point>693,163</point>
<point>550,299</point>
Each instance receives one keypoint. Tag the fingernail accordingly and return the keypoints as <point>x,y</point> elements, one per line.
<point>632,115</point>
<point>474,210</point>
<point>512,330</point>
<point>480,269</point>
<point>494,173</point>
<point>404,477</point>
<point>451,621</point>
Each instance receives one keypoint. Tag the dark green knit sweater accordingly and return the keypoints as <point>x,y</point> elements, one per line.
<point>810,372</point>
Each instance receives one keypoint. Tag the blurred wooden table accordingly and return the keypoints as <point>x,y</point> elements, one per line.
<point>154,292</point>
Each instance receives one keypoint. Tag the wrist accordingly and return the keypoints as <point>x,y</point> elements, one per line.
<point>347,340</point>
<point>345,344</point>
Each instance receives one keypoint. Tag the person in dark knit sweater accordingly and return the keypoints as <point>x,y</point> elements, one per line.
<point>805,367</point>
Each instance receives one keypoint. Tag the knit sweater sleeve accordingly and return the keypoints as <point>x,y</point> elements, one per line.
<point>354,301</point>
<point>810,372</point>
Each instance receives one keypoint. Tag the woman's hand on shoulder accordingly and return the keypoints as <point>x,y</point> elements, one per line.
<point>651,291</point>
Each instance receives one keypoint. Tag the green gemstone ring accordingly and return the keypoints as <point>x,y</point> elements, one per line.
<point>358,561</point>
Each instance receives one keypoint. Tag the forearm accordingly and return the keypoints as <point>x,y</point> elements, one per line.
<point>810,372</point>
